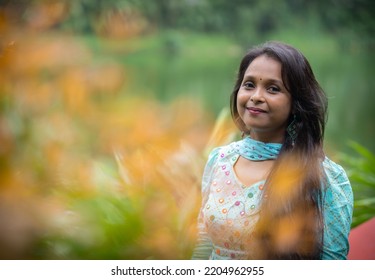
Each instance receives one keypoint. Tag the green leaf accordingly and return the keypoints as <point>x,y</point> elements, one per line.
<point>361,173</point>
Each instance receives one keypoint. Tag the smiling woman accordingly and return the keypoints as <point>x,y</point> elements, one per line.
<point>274,194</point>
<point>263,102</point>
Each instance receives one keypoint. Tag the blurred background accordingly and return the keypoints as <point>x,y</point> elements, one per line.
<point>108,109</point>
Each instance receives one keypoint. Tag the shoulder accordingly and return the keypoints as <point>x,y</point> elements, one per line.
<point>337,188</point>
<point>223,152</point>
<point>218,156</point>
<point>334,172</point>
<point>215,157</point>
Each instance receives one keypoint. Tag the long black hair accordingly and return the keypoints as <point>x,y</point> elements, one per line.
<point>293,193</point>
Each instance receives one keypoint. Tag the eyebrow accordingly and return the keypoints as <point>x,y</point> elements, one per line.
<point>274,81</point>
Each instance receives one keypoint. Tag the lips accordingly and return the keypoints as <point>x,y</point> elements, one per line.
<point>255,110</point>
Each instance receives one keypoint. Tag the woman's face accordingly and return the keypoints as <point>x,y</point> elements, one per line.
<point>263,102</point>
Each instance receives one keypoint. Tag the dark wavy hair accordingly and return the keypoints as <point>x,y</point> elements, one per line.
<point>299,165</point>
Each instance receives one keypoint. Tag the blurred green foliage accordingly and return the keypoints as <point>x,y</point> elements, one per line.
<point>240,19</point>
<point>361,172</point>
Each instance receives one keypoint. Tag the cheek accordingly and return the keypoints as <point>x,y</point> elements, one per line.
<point>241,100</point>
<point>240,107</point>
<point>285,111</point>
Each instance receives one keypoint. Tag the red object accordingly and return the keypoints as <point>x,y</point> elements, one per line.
<point>362,241</point>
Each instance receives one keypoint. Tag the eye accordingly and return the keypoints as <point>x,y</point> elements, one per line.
<point>248,85</point>
<point>274,89</point>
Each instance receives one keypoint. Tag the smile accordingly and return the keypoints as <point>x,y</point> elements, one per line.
<point>255,111</point>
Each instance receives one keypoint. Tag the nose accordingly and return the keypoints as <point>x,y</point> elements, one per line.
<point>258,96</point>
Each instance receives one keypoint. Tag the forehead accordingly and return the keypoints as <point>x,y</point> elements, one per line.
<point>264,67</point>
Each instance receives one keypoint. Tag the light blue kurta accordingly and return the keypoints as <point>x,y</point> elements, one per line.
<point>230,209</point>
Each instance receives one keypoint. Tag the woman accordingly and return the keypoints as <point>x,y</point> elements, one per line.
<point>274,194</point>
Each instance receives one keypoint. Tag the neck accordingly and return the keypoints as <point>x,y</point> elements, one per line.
<point>256,150</point>
<point>267,137</point>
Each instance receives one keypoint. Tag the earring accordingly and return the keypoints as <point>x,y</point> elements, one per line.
<point>292,130</point>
